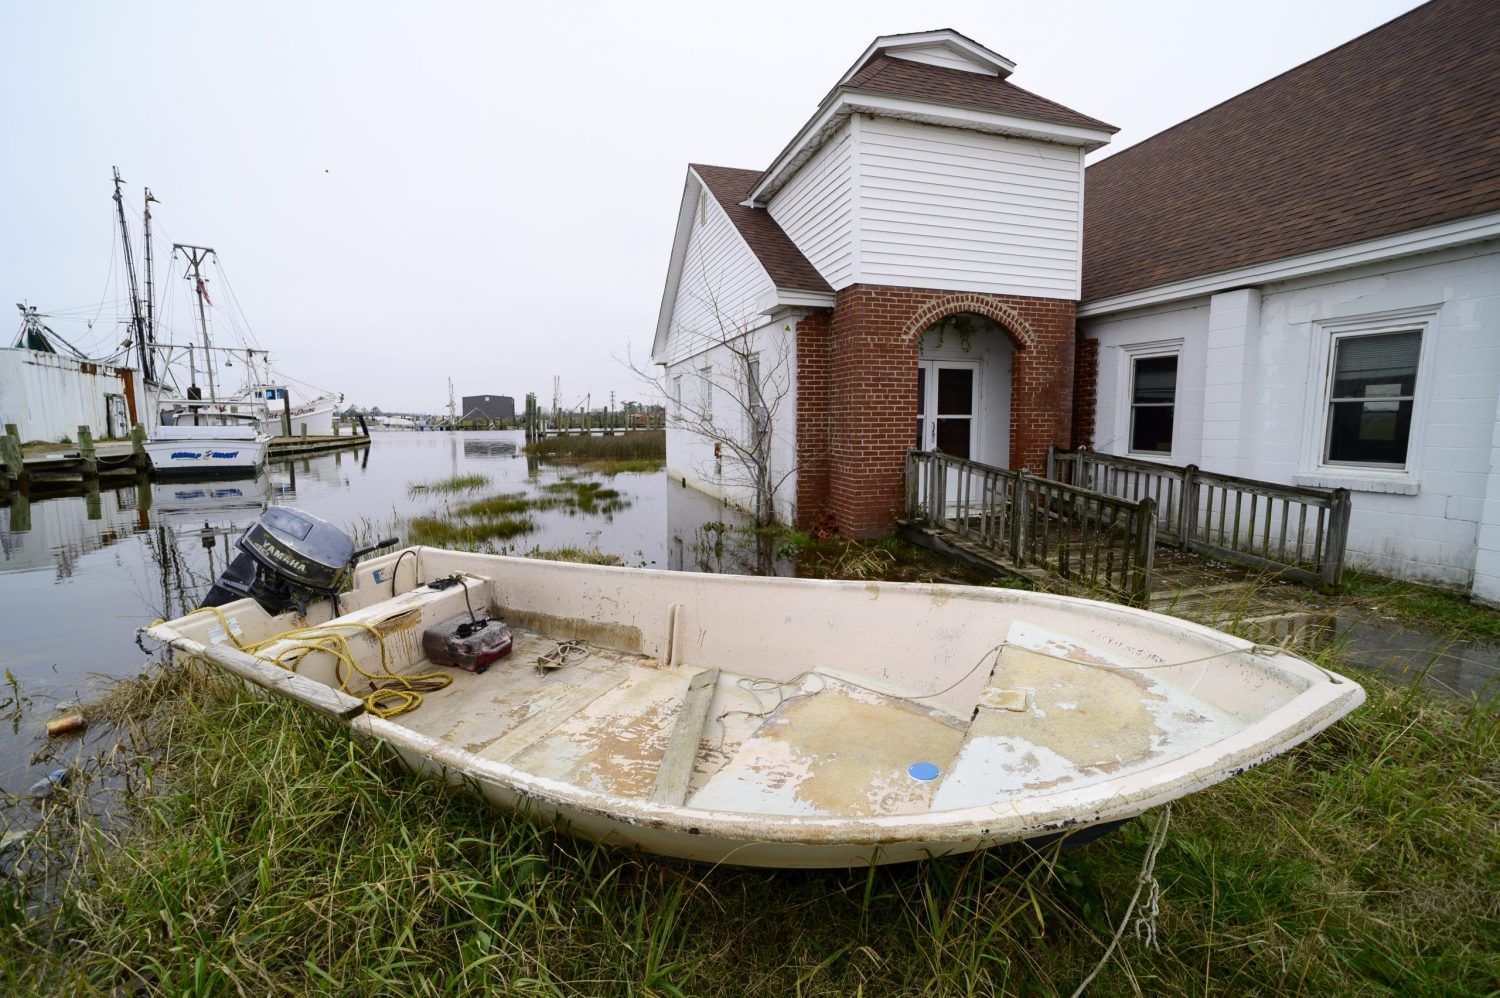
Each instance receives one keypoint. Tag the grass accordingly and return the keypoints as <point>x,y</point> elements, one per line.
<point>440,531</point>
<point>1369,867</point>
<point>449,486</point>
<point>1421,606</point>
<point>638,450</point>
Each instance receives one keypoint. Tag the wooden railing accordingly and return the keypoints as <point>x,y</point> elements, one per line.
<point>1025,522</point>
<point>1294,531</point>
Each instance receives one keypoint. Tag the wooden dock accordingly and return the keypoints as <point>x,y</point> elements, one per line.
<point>89,466</point>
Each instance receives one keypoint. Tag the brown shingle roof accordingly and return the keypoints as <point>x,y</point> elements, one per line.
<point>775,250</point>
<point>1395,130</point>
<point>885,74</point>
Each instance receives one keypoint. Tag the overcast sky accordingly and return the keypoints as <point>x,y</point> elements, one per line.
<point>404,193</point>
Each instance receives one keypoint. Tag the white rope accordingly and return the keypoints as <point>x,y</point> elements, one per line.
<point>1145,926</point>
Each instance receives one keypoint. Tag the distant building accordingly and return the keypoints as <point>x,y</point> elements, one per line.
<point>488,407</point>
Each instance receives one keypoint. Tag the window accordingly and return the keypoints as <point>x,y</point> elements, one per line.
<point>677,395</point>
<point>1372,388</point>
<point>706,394</point>
<point>755,403</point>
<point>1153,401</point>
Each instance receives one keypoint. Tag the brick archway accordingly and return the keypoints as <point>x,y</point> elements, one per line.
<point>857,398</point>
<point>1010,321</point>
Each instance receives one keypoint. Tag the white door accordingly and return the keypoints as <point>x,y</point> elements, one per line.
<point>948,406</point>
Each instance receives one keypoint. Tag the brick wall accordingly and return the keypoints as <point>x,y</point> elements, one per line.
<point>1085,390</point>
<point>872,401</point>
<point>814,399</point>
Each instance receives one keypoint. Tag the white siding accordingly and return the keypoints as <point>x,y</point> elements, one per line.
<point>721,280</point>
<point>48,396</point>
<point>1428,530</point>
<point>816,210</point>
<point>690,455</point>
<point>966,211</point>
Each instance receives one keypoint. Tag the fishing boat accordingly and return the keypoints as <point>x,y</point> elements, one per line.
<point>757,721</point>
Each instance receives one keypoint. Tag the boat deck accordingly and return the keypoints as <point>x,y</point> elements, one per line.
<point>606,721</point>
<point>824,745</point>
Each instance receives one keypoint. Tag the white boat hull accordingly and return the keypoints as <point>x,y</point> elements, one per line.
<point>206,451</point>
<point>1040,714</point>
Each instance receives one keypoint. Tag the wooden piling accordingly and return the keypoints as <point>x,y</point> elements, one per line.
<point>10,450</point>
<point>86,453</point>
<point>138,446</point>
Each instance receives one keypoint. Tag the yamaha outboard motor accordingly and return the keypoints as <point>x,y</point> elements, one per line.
<point>288,558</point>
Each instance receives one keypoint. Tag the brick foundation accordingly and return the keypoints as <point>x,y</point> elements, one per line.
<point>869,405</point>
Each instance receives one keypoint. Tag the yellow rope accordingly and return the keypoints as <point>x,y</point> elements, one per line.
<point>389,694</point>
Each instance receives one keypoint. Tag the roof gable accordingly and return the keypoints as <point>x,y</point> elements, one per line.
<point>785,269</point>
<point>1396,130</point>
<point>783,261</point>
<point>942,47</point>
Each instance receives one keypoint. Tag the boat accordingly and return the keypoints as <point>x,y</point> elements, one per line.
<point>764,722</point>
<point>215,434</point>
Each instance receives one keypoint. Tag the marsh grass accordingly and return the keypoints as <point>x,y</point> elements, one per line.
<point>273,853</point>
<point>449,486</point>
<point>440,531</point>
<point>638,450</point>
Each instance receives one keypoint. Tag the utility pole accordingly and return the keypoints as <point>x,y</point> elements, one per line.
<point>452,410</point>
<point>556,399</point>
<point>138,322</point>
<point>610,422</point>
<point>196,255</point>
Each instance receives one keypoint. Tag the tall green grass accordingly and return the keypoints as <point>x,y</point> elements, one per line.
<point>272,853</point>
<point>643,450</point>
<point>472,482</point>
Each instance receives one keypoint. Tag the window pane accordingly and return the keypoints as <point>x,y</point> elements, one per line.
<point>953,436</point>
<point>1151,428</point>
<point>1155,379</point>
<point>955,394</point>
<point>1369,432</point>
<point>1376,366</point>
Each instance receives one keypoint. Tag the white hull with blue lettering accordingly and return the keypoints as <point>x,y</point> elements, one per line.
<point>204,451</point>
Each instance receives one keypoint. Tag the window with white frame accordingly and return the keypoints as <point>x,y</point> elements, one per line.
<point>1372,389</point>
<point>677,395</point>
<point>706,393</point>
<point>1153,402</point>
<point>755,404</point>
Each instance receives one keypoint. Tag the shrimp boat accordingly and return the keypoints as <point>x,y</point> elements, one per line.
<point>756,721</point>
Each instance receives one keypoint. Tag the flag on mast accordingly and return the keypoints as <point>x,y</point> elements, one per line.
<point>203,290</point>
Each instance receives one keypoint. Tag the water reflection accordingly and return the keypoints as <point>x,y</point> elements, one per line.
<point>704,535</point>
<point>79,574</point>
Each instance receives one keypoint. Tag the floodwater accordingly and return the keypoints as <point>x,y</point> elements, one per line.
<point>79,575</point>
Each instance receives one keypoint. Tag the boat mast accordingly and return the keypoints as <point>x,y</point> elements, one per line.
<point>150,283</point>
<point>196,255</point>
<point>135,294</point>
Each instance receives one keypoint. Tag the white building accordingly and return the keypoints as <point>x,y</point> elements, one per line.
<point>1302,285</point>
<point>49,395</point>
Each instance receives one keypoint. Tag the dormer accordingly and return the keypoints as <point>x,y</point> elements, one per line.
<point>925,166</point>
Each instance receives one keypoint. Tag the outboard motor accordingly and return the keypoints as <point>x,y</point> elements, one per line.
<point>288,558</point>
